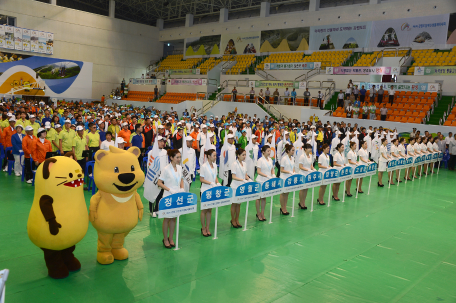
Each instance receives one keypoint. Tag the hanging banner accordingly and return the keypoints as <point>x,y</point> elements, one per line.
<point>42,42</point>
<point>243,43</point>
<point>435,71</point>
<point>49,43</point>
<point>202,46</point>
<point>143,81</point>
<point>293,66</point>
<point>357,70</point>
<point>2,36</point>
<point>216,196</point>
<point>176,205</point>
<point>271,187</point>
<point>34,41</point>
<point>9,37</point>
<point>195,71</point>
<point>187,81</point>
<point>26,34</point>
<point>18,38</point>
<point>341,36</point>
<point>285,40</point>
<point>247,192</point>
<point>330,176</point>
<point>276,84</point>
<point>414,87</point>
<point>312,179</point>
<point>417,32</point>
<point>293,183</point>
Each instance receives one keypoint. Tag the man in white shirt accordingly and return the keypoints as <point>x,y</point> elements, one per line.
<point>108,142</point>
<point>286,94</point>
<point>202,135</point>
<point>252,95</point>
<point>348,91</point>
<point>448,139</point>
<point>319,100</point>
<point>391,93</point>
<point>267,93</point>
<point>340,99</point>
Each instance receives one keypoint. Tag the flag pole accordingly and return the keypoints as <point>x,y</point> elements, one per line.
<point>177,234</point>
<point>270,212</point>
<point>246,214</point>
<point>216,218</point>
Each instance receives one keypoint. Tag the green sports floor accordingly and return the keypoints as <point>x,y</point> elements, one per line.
<point>394,245</point>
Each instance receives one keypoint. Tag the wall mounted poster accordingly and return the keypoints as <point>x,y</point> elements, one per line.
<point>34,41</point>
<point>27,40</point>
<point>285,40</point>
<point>9,37</point>
<point>201,46</point>
<point>238,44</point>
<point>17,38</point>
<point>341,36</point>
<point>452,29</point>
<point>2,36</point>
<point>418,32</point>
<point>26,34</point>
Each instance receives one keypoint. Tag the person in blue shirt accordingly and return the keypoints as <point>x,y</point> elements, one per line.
<point>362,94</point>
<point>16,141</point>
<point>137,138</point>
<point>101,131</point>
<point>293,96</point>
<point>46,118</point>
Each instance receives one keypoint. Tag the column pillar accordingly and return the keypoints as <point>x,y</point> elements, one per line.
<point>375,1</point>
<point>314,5</point>
<point>264,11</point>
<point>223,15</point>
<point>188,20</point>
<point>53,2</point>
<point>160,23</point>
<point>112,9</point>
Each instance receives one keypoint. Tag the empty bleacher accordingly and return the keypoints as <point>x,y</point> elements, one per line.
<point>208,65</point>
<point>431,57</point>
<point>408,107</point>
<point>451,119</point>
<point>139,96</point>
<point>242,63</point>
<point>177,62</point>
<point>282,58</point>
<point>175,98</point>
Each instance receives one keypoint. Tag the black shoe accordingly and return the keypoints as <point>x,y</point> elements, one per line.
<point>380,185</point>
<point>398,181</point>
<point>238,226</point>
<point>282,213</point>
<point>348,194</point>
<point>169,246</point>
<point>207,235</point>
<point>258,218</point>
<point>232,225</point>
<point>318,201</point>
<point>172,245</point>
<point>335,199</point>
<point>305,207</point>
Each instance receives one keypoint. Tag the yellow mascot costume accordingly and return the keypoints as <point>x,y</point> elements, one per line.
<point>114,210</point>
<point>58,218</point>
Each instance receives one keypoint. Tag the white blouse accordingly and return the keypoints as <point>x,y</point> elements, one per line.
<point>363,154</point>
<point>410,150</point>
<point>306,162</point>
<point>266,167</point>
<point>238,170</point>
<point>384,151</point>
<point>339,159</point>
<point>323,160</point>
<point>429,146</point>
<point>416,147</point>
<point>423,148</point>
<point>435,147</point>
<point>352,156</point>
<point>209,174</point>
<point>287,164</point>
<point>401,149</point>
<point>394,150</point>
<point>171,178</point>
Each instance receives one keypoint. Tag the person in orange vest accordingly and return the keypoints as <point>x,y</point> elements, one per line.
<point>41,147</point>
<point>125,133</point>
<point>8,132</point>
<point>28,144</point>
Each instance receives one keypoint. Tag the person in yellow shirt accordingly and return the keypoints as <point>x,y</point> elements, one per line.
<point>93,138</point>
<point>34,124</point>
<point>294,135</point>
<point>50,136</point>
<point>79,145</point>
<point>58,138</point>
<point>24,122</point>
<point>67,135</point>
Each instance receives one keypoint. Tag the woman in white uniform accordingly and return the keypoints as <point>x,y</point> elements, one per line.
<point>265,171</point>
<point>411,153</point>
<point>172,182</point>
<point>239,176</point>
<point>286,170</point>
<point>417,148</point>
<point>401,153</point>
<point>394,155</point>
<point>435,149</point>
<point>305,166</point>
<point>382,161</point>
<point>208,178</point>
<point>424,151</point>
<point>323,165</point>
<point>352,158</point>
<point>339,162</point>
<point>363,159</point>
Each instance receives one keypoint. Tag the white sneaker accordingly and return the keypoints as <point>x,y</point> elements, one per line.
<point>18,174</point>
<point>30,181</point>
<point>154,215</point>
<point>5,169</point>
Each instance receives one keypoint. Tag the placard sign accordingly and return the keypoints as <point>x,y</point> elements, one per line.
<point>440,156</point>
<point>312,179</point>
<point>177,204</point>
<point>428,158</point>
<point>271,187</point>
<point>330,176</point>
<point>345,173</point>
<point>293,183</point>
<point>408,162</point>
<point>372,169</point>
<point>360,171</point>
<point>247,192</point>
<point>417,161</point>
<point>400,163</point>
<point>391,165</point>
<point>435,157</point>
<point>216,196</point>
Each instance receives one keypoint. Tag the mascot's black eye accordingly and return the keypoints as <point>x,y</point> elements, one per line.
<point>71,175</point>
<point>132,168</point>
<point>116,169</point>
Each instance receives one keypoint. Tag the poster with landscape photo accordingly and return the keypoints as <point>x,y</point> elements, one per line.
<point>452,29</point>
<point>201,46</point>
<point>285,40</point>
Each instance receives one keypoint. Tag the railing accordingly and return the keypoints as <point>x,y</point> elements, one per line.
<point>265,75</point>
<point>309,74</point>
<point>406,56</point>
<point>212,82</point>
<point>201,93</point>
<point>270,108</point>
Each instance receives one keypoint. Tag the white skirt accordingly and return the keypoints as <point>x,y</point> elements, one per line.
<point>382,166</point>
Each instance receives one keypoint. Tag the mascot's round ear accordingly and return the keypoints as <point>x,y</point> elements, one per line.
<point>71,155</point>
<point>134,150</point>
<point>47,165</point>
<point>100,154</point>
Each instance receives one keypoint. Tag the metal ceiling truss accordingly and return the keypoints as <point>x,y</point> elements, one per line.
<point>148,11</point>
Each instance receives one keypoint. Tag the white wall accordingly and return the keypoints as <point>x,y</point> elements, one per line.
<point>348,14</point>
<point>118,49</point>
<point>143,88</point>
<point>161,106</point>
<point>189,89</point>
<point>223,108</point>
